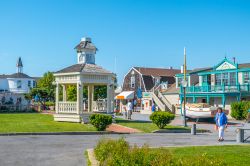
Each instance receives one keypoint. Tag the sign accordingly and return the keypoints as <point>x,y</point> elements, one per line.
<point>146,95</point>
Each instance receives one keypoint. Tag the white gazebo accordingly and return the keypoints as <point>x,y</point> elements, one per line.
<point>84,73</point>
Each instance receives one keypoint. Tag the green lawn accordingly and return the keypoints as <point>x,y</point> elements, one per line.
<point>146,126</point>
<point>235,155</point>
<point>35,122</point>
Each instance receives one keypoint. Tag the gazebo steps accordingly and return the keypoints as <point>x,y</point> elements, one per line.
<point>67,118</point>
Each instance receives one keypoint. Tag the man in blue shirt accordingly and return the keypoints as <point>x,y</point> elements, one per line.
<point>221,123</point>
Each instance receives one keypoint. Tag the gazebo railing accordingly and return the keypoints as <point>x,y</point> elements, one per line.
<point>67,107</point>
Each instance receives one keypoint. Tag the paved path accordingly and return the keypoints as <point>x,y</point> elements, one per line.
<point>121,129</point>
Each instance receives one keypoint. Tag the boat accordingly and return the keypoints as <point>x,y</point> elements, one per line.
<point>201,110</point>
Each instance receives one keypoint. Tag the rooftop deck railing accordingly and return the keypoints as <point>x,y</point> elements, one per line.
<point>217,89</point>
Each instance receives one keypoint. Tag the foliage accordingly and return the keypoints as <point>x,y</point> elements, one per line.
<point>118,152</point>
<point>239,110</point>
<point>36,122</point>
<point>45,90</point>
<point>161,119</point>
<point>100,92</point>
<point>71,93</point>
<point>100,121</point>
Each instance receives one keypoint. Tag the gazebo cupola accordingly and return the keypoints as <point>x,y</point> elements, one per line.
<point>86,51</point>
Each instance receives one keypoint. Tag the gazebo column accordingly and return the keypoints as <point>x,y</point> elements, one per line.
<point>90,97</point>
<point>57,98</point>
<point>110,98</point>
<point>64,92</point>
<point>79,98</point>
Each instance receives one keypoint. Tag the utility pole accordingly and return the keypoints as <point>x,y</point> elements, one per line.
<point>184,85</point>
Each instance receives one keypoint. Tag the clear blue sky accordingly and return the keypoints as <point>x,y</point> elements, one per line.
<point>139,33</point>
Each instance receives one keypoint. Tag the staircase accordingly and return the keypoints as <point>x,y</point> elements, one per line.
<point>161,101</point>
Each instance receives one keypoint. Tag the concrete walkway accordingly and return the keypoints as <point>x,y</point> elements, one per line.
<point>122,129</point>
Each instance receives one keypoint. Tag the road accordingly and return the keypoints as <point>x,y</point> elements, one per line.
<point>67,150</point>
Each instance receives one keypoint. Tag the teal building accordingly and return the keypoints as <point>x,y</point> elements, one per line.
<point>220,85</point>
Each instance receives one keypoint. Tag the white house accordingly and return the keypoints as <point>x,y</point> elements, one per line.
<point>14,86</point>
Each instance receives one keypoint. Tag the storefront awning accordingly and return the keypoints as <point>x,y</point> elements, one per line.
<point>125,95</point>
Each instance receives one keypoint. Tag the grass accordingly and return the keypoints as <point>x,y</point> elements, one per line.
<point>235,155</point>
<point>35,122</point>
<point>146,126</point>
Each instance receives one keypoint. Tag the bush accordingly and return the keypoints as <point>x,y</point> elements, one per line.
<point>161,119</point>
<point>239,110</point>
<point>117,152</point>
<point>100,121</point>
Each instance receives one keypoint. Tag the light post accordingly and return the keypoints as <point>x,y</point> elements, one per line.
<point>184,85</point>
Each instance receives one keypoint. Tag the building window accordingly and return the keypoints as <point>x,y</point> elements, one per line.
<point>246,76</point>
<point>179,80</point>
<point>225,79</point>
<point>218,79</point>
<point>19,84</point>
<point>132,82</point>
<point>29,83</point>
<point>232,78</point>
<point>34,84</point>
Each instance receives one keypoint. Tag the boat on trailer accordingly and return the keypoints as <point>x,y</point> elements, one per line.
<point>201,110</point>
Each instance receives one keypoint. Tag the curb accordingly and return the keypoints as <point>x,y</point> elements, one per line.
<point>63,133</point>
<point>91,157</point>
<point>180,131</point>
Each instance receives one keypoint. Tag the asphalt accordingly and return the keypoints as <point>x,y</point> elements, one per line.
<point>68,150</point>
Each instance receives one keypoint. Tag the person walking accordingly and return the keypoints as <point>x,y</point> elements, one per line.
<point>129,109</point>
<point>221,123</point>
<point>153,108</point>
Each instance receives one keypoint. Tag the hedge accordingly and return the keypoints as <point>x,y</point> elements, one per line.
<point>239,110</point>
<point>100,121</point>
<point>118,152</point>
<point>161,119</point>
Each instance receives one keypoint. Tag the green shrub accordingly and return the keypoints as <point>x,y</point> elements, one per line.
<point>161,119</point>
<point>239,110</point>
<point>100,121</point>
<point>118,152</point>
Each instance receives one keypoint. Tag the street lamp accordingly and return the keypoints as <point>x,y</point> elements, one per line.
<point>184,85</point>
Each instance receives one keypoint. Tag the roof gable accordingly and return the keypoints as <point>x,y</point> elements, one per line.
<point>225,65</point>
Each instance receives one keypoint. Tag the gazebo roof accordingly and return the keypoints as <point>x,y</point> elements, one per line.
<point>86,45</point>
<point>85,68</point>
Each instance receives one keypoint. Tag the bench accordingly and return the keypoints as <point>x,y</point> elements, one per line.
<point>240,136</point>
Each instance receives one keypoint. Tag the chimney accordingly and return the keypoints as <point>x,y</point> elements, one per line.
<point>234,60</point>
<point>182,68</point>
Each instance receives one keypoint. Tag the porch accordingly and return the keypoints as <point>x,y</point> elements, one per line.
<point>218,89</point>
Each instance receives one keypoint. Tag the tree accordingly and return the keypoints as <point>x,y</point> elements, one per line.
<point>45,84</point>
<point>45,90</point>
<point>71,93</point>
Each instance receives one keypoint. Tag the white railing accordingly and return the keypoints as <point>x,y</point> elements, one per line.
<point>67,107</point>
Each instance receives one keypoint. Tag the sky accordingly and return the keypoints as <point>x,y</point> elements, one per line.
<point>147,33</point>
